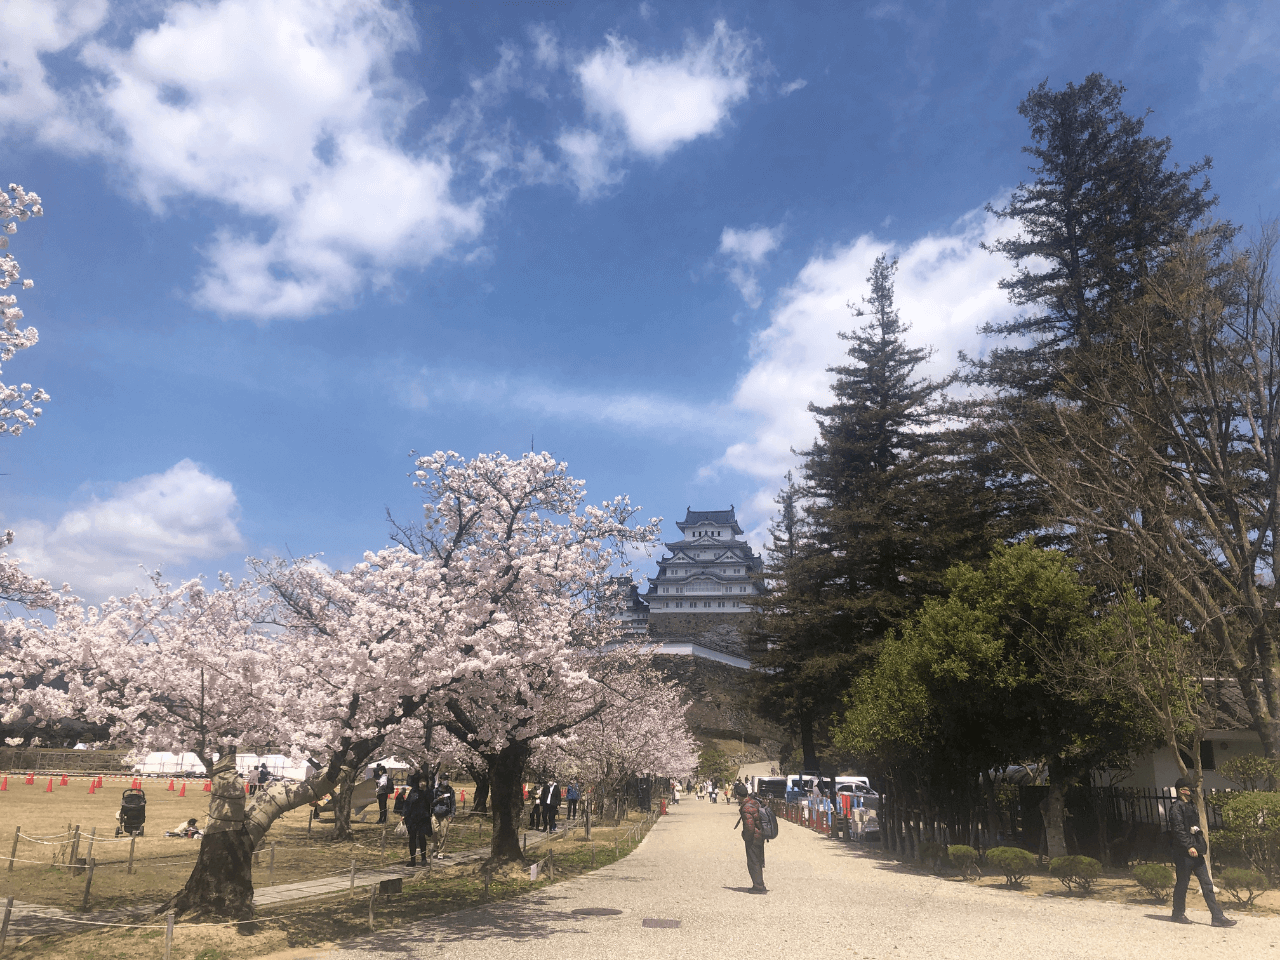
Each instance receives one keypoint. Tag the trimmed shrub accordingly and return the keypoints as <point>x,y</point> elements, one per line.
<point>1155,878</point>
<point>1015,863</point>
<point>965,859</point>
<point>1245,886</point>
<point>1075,873</point>
<point>1251,829</point>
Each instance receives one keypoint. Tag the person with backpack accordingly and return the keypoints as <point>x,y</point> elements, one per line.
<point>443,808</point>
<point>753,835</point>
<point>571,795</point>
<point>417,819</point>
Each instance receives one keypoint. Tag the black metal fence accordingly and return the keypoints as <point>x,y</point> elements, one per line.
<point>1130,821</point>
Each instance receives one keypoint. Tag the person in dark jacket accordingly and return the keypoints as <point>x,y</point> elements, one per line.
<point>551,797</point>
<point>443,807</point>
<point>1188,846</point>
<point>752,836</point>
<point>417,819</point>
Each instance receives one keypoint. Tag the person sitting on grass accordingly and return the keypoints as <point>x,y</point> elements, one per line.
<point>187,829</point>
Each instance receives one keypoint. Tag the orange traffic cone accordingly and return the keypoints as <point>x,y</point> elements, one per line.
<point>49,788</point>
<point>246,789</point>
<point>31,778</point>
<point>63,782</point>
<point>170,784</point>
<point>5,785</point>
<point>137,784</point>
<point>92,787</point>
<point>208,786</point>
<point>99,781</point>
<point>183,791</point>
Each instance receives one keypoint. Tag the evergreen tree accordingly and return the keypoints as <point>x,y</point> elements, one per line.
<point>888,502</point>
<point>1104,208</point>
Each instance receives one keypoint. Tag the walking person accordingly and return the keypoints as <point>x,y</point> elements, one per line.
<point>1189,846</point>
<point>571,795</point>
<point>251,780</point>
<point>384,791</point>
<point>417,819</point>
<point>752,836</point>
<point>551,797</point>
<point>535,812</point>
<point>443,807</point>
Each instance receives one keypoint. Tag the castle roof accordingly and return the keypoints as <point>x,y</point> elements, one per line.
<point>694,517</point>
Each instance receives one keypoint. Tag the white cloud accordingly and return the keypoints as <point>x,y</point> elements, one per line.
<point>157,520</point>
<point>798,84</point>
<point>653,105</point>
<point>30,28</point>
<point>746,252</point>
<point>288,114</point>
<point>946,288</point>
<point>429,389</point>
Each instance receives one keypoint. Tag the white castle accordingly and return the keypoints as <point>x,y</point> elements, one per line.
<point>705,590</point>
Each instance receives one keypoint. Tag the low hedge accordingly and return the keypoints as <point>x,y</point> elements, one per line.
<point>1015,863</point>
<point>964,859</point>
<point>1075,873</point>
<point>1155,878</point>
<point>1245,886</point>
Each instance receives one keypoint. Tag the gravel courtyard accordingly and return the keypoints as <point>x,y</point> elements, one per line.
<point>822,894</point>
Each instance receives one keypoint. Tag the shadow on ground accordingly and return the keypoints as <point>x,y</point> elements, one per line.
<point>523,919</point>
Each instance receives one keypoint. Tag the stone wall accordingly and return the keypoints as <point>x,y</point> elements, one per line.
<point>726,632</point>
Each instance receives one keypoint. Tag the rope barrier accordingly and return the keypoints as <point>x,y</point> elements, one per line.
<point>142,926</point>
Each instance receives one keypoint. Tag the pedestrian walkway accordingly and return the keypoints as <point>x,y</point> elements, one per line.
<point>683,892</point>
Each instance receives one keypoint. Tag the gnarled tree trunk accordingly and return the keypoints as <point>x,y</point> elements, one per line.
<point>506,781</point>
<point>221,883</point>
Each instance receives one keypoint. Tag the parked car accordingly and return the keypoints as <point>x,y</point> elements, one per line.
<point>772,788</point>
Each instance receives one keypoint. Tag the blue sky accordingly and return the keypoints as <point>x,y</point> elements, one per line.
<point>288,241</point>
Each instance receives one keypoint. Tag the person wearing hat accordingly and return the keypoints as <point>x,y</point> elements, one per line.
<point>752,835</point>
<point>443,808</point>
<point>1189,846</point>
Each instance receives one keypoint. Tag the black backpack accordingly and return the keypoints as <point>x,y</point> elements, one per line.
<point>768,822</point>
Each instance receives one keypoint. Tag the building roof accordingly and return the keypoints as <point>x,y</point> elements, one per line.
<point>694,517</point>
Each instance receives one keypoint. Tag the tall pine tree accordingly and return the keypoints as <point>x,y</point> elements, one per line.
<point>887,501</point>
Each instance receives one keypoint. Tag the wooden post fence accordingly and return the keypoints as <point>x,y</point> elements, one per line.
<point>133,842</point>
<point>14,852</point>
<point>168,936</point>
<point>88,882</point>
<point>4,924</point>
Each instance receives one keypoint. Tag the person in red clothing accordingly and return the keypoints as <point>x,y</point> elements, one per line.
<point>752,836</point>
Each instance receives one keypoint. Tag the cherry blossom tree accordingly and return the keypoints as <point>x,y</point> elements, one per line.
<point>18,404</point>
<point>641,731</point>
<point>525,566</point>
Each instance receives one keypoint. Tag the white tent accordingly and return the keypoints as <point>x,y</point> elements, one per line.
<point>177,765</point>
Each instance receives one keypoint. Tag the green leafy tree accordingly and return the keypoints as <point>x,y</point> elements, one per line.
<point>960,689</point>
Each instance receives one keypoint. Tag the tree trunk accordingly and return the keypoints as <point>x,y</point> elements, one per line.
<point>221,883</point>
<point>480,803</point>
<point>1053,811</point>
<point>342,797</point>
<point>807,746</point>
<point>506,783</point>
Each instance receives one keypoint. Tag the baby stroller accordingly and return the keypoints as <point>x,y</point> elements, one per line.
<point>133,812</point>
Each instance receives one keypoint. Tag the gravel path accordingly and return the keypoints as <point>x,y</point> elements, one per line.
<point>823,896</point>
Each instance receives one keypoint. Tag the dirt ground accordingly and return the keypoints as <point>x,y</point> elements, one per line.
<point>298,929</point>
<point>162,864</point>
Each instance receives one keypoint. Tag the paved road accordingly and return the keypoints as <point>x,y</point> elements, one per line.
<point>823,896</point>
